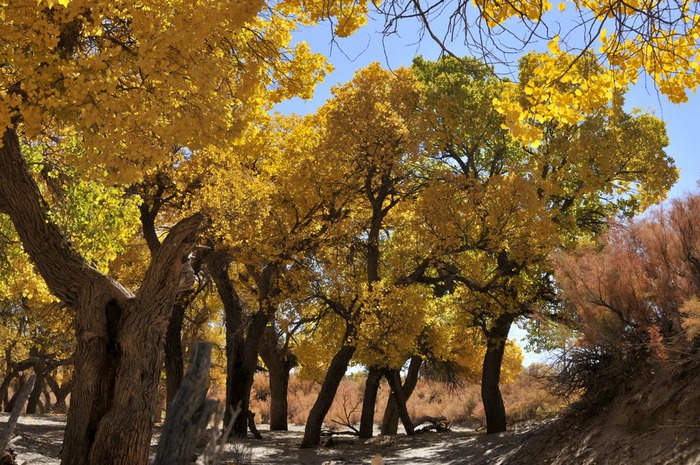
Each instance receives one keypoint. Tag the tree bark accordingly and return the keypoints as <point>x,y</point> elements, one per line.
<point>59,392</point>
<point>390,421</point>
<point>336,371</point>
<point>120,334</point>
<point>369,402</point>
<point>496,338</point>
<point>242,342</point>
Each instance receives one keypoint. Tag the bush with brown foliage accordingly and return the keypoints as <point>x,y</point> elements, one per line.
<point>633,297</point>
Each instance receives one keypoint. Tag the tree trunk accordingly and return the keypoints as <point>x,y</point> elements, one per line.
<point>174,363</point>
<point>241,352</point>
<point>35,396</point>
<point>22,394</point>
<point>120,334</point>
<point>279,386</point>
<point>336,371</point>
<point>394,379</point>
<point>496,338</point>
<point>20,383</point>
<point>390,421</point>
<point>279,360</point>
<point>4,387</point>
<point>59,392</point>
<point>369,402</point>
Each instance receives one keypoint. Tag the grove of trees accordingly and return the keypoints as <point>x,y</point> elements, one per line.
<point>149,197</point>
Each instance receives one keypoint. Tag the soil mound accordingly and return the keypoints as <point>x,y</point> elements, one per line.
<point>653,420</point>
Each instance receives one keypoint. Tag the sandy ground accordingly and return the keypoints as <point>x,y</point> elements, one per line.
<point>41,438</point>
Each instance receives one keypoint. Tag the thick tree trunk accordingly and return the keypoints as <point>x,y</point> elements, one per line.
<point>394,379</point>
<point>279,361</point>
<point>369,402</point>
<point>390,421</point>
<point>491,375</point>
<point>120,335</point>
<point>336,371</point>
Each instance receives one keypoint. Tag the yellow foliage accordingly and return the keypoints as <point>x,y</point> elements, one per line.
<point>134,79</point>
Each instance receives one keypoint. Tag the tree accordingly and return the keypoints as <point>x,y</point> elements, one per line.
<point>187,75</point>
<point>510,205</point>
<point>370,130</point>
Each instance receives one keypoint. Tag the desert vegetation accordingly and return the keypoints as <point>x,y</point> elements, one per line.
<point>151,198</point>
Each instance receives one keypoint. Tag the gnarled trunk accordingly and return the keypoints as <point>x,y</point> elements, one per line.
<point>496,338</point>
<point>336,371</point>
<point>120,334</point>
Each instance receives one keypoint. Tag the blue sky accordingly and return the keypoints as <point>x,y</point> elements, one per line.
<point>369,45</point>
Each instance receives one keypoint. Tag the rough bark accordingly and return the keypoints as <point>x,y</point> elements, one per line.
<point>188,413</point>
<point>336,371</point>
<point>369,402</point>
<point>491,375</point>
<point>390,421</point>
<point>279,360</point>
<point>120,334</point>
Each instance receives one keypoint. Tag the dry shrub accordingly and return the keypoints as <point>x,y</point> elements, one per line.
<point>634,298</point>
<point>526,398</point>
<point>530,396</point>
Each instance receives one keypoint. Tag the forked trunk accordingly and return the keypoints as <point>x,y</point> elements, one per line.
<point>390,421</point>
<point>491,374</point>
<point>394,379</point>
<point>336,371</point>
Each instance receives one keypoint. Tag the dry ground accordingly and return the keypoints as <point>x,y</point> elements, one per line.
<point>42,435</point>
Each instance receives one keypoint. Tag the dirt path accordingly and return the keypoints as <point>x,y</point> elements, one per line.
<point>42,435</point>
